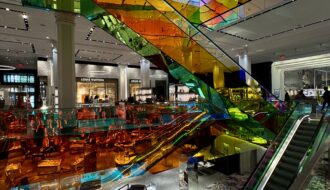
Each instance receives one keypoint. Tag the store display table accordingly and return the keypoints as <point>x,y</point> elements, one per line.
<point>49,166</point>
<point>13,169</point>
<point>78,163</point>
<point>77,148</point>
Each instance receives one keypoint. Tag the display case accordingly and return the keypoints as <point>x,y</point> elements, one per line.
<point>243,93</point>
<point>181,93</point>
<point>143,94</point>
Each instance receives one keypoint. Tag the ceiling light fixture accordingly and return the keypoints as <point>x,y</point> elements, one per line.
<point>47,37</point>
<point>6,68</point>
<point>7,9</point>
<point>24,16</point>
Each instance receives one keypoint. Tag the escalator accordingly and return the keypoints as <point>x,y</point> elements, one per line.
<point>288,165</point>
<point>284,165</point>
<point>180,55</point>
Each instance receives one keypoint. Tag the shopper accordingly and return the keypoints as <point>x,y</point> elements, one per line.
<point>86,99</point>
<point>287,97</point>
<point>326,97</point>
<point>300,95</point>
<point>106,99</point>
<point>91,99</point>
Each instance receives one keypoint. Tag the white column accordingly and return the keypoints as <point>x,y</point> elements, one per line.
<point>123,86</point>
<point>245,62</point>
<point>278,81</point>
<point>66,60</point>
<point>145,73</point>
<point>52,77</point>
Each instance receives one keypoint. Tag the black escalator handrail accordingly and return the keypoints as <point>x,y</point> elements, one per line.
<point>272,147</point>
<point>311,147</point>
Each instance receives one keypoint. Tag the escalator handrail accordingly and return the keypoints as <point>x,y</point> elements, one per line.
<point>279,152</point>
<point>316,146</point>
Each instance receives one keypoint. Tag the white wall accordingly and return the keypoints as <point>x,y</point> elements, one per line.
<point>279,67</point>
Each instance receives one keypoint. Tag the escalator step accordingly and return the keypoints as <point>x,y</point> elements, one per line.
<point>274,186</point>
<point>284,182</point>
<point>297,149</point>
<point>291,154</point>
<point>300,142</point>
<point>305,133</point>
<point>287,167</point>
<point>308,127</point>
<point>290,160</point>
<point>288,175</point>
<point>301,137</point>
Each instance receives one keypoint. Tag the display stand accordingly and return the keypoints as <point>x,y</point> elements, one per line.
<point>56,98</point>
<point>143,94</point>
<point>181,93</point>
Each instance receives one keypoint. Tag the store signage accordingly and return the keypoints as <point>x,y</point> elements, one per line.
<point>91,80</point>
<point>138,81</point>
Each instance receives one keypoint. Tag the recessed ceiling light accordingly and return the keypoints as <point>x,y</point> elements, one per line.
<point>47,37</point>
<point>5,26</point>
<point>24,16</point>
<point>7,9</point>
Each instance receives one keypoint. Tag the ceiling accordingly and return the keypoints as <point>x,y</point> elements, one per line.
<point>294,29</point>
<point>21,42</point>
<point>297,29</point>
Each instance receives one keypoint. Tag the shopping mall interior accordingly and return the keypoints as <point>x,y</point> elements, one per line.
<point>164,94</point>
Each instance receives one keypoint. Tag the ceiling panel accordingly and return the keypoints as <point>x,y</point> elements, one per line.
<point>294,15</point>
<point>12,18</point>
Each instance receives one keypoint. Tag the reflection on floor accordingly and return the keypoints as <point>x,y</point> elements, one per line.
<point>71,163</point>
<point>170,180</point>
<point>321,176</point>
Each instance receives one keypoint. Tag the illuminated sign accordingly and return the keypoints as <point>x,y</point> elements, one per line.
<point>137,81</point>
<point>91,80</point>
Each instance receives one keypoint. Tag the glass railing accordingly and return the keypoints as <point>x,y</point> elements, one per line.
<point>123,33</point>
<point>101,18</point>
<point>241,12</point>
<point>272,151</point>
<point>149,149</point>
<point>318,178</point>
<point>178,15</point>
<point>174,36</point>
<point>75,121</point>
<point>316,150</point>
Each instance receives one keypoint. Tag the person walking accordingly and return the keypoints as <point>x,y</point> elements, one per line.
<point>326,97</point>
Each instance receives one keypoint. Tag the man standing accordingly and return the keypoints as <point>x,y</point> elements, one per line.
<point>326,97</point>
